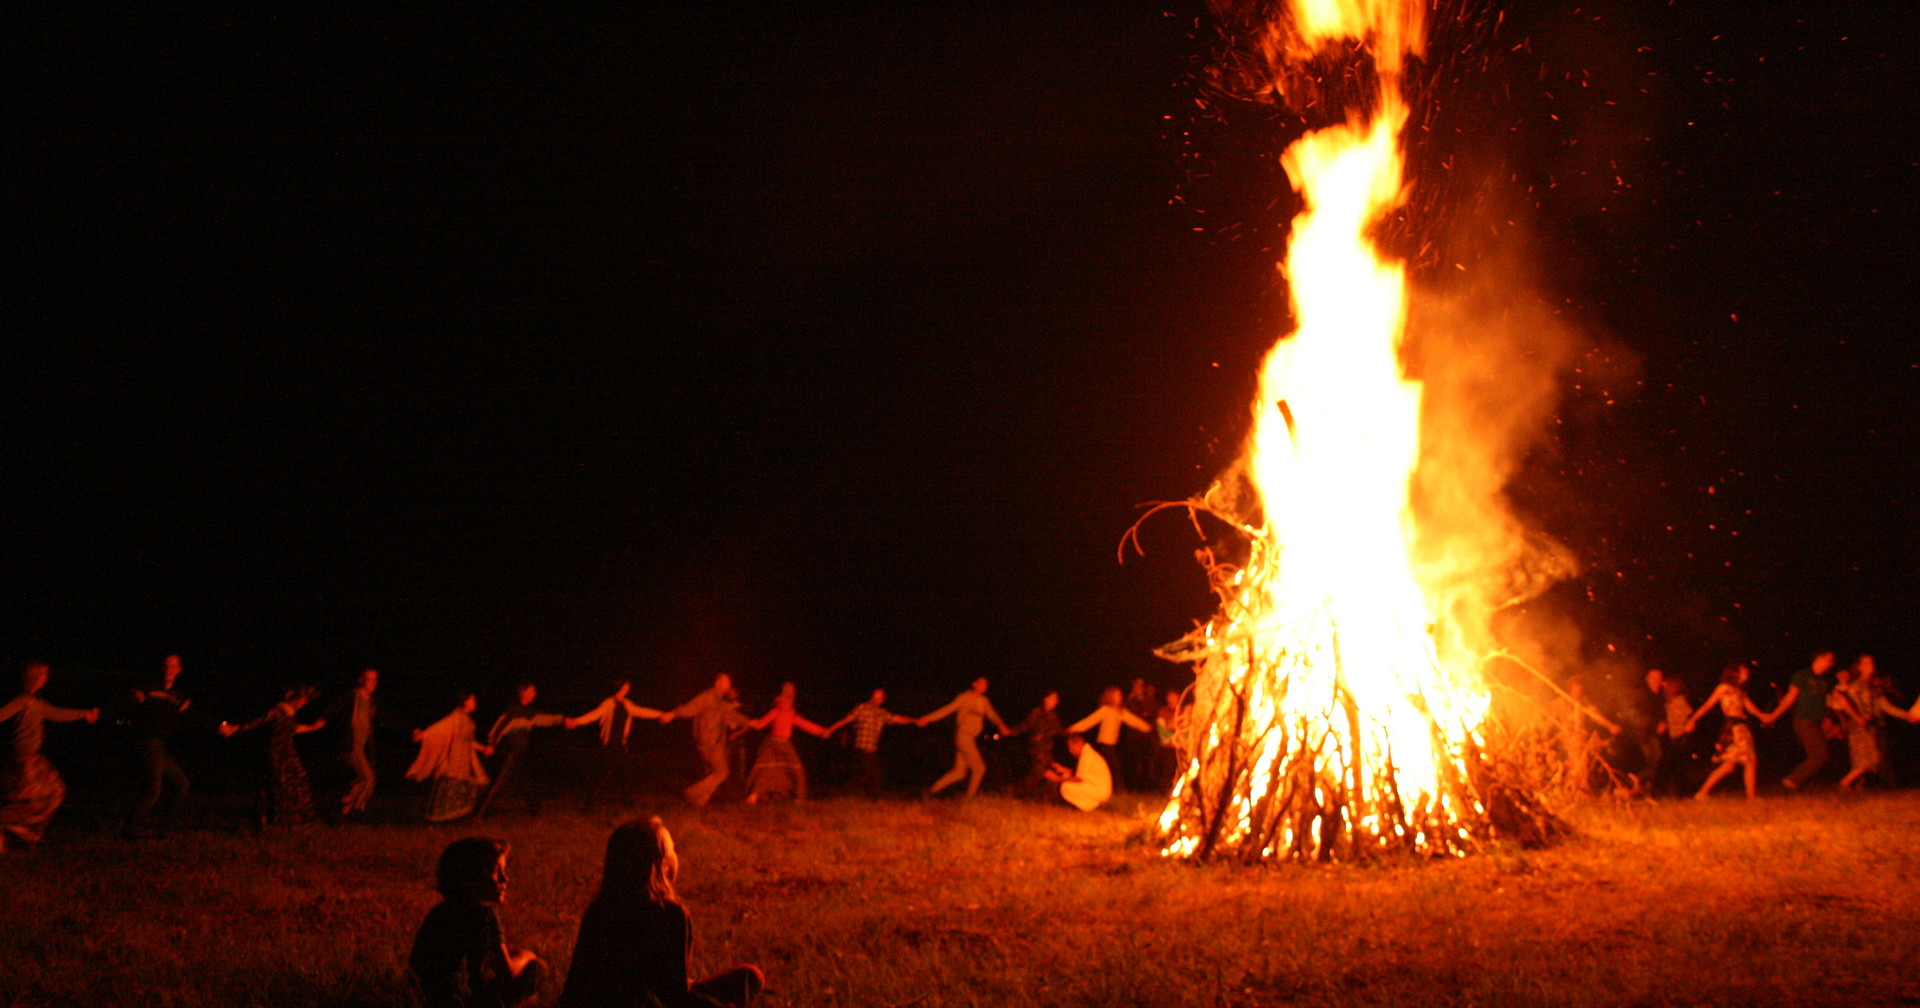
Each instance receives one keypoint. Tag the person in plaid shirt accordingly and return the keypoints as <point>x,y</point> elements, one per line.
<point>868,720</point>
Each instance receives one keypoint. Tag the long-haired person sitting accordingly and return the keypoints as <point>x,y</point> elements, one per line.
<point>460,956</point>
<point>636,940</point>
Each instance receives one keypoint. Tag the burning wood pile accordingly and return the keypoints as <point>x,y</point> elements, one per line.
<point>1340,711</point>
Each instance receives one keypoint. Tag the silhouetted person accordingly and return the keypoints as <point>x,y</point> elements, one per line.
<point>613,766</point>
<point>1644,721</point>
<point>157,714</point>
<point>1143,702</point>
<point>636,938</point>
<point>30,790</point>
<point>1676,711</point>
<point>460,956</point>
<point>510,738</point>
<point>1807,695</point>
<point>289,793</point>
<point>1042,728</point>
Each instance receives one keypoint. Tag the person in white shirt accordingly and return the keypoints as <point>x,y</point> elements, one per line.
<point>1090,783</point>
<point>1108,718</point>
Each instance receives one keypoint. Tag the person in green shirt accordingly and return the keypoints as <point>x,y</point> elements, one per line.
<point>1807,695</point>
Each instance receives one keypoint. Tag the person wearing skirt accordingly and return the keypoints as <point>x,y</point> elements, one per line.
<point>1860,702</point>
<point>30,789</point>
<point>1735,749</point>
<point>450,758</point>
<point>777,771</point>
<point>290,795</point>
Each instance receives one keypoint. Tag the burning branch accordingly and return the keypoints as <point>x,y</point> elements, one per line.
<point>1329,724</point>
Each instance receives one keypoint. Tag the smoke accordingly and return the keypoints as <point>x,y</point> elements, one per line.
<point>1492,358</point>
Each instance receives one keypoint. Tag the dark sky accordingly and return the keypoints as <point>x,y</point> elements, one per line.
<point>843,346</point>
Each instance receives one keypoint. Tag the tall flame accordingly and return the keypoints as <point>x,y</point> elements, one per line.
<point>1329,723</point>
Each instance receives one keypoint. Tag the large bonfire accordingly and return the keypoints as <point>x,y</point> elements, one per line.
<point>1340,706</point>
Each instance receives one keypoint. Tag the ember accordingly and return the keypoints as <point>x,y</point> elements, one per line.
<point>1339,712</point>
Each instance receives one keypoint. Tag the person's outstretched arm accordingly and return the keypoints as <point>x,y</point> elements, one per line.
<point>638,711</point>
<point>1705,705</point>
<point>593,716</point>
<point>1786,701</point>
<point>927,719</point>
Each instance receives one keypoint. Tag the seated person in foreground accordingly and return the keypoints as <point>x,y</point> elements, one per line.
<point>636,940</point>
<point>459,955</point>
<point>1090,783</point>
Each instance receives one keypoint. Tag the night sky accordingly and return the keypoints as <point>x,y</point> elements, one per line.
<point>843,346</point>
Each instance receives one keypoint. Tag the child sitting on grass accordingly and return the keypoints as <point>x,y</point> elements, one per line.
<point>636,940</point>
<point>460,957</point>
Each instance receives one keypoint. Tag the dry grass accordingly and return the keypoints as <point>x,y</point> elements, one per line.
<point>999,903</point>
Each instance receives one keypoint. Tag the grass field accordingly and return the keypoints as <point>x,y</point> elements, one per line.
<point>994,902</point>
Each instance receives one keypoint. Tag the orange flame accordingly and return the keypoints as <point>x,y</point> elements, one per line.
<point>1328,721</point>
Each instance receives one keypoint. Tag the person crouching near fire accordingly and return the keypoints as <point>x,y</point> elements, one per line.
<point>1090,783</point>
<point>460,957</point>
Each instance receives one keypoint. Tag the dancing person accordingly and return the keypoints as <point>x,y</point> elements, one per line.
<point>777,771</point>
<point>1859,699</point>
<point>157,714</point>
<point>360,711</point>
<point>1139,750</point>
<point>1090,783</point>
<point>30,789</point>
<point>460,955</point>
<point>450,757</point>
<point>510,736</point>
<point>1042,728</point>
<point>289,793</point>
<point>716,715</point>
<point>869,719</point>
<point>1647,718</point>
<point>971,710</point>
<point>1675,711</point>
<point>636,938</point>
<point>613,769</point>
<point>1579,738</point>
<point>1735,748</point>
<point>1108,717</point>
<point>1170,737</point>
<point>1807,695</point>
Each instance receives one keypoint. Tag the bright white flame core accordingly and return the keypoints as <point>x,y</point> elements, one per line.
<point>1328,716</point>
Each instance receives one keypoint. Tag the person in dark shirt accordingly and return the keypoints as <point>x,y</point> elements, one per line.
<point>1042,729</point>
<point>511,733</point>
<point>157,714</point>
<point>1807,695</point>
<point>460,957</point>
<point>613,766</point>
<point>636,940</point>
